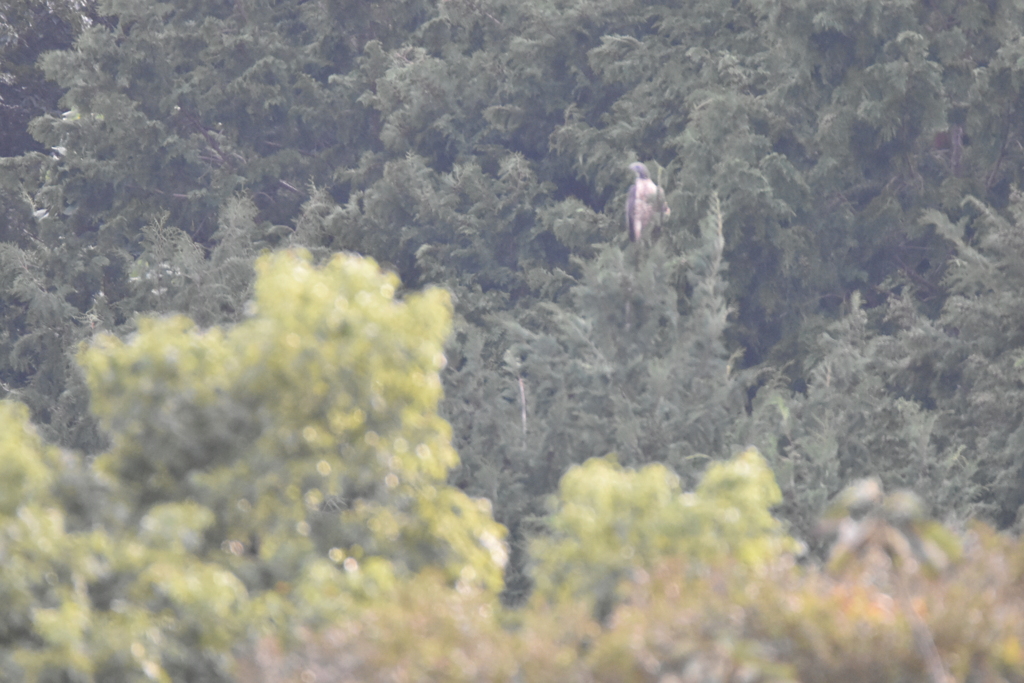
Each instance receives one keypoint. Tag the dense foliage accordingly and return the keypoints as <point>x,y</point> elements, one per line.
<point>836,286</point>
<point>266,475</point>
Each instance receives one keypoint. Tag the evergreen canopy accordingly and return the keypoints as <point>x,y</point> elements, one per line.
<point>837,283</point>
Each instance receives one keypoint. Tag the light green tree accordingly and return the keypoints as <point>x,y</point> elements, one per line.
<point>103,603</point>
<point>311,426</point>
<point>261,476</point>
<point>610,522</point>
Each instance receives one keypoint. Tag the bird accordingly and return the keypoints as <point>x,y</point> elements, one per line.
<point>643,201</point>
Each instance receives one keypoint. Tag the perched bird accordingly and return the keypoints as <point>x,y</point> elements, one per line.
<point>643,202</point>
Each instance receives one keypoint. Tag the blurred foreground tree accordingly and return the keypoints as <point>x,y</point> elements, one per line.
<point>261,476</point>
<point>103,602</point>
<point>610,522</point>
<point>711,593</point>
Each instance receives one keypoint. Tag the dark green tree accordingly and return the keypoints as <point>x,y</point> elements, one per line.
<point>483,145</point>
<point>28,28</point>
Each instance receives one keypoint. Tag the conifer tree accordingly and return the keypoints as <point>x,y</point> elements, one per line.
<point>28,28</point>
<point>482,145</point>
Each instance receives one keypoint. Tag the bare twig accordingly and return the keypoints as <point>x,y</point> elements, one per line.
<point>923,638</point>
<point>999,159</point>
<point>522,403</point>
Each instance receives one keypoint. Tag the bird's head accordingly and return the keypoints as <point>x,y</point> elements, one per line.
<point>640,170</point>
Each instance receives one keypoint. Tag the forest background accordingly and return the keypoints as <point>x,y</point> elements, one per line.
<point>837,284</point>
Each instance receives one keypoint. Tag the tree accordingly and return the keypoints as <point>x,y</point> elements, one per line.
<point>260,476</point>
<point>710,592</point>
<point>482,146</point>
<point>611,522</point>
<point>103,601</point>
<point>28,28</point>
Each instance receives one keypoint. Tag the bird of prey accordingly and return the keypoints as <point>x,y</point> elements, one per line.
<point>643,202</point>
